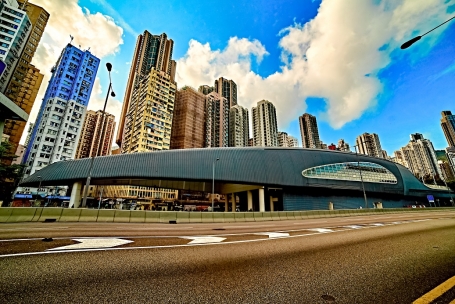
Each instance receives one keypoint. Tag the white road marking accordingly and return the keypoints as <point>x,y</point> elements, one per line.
<point>273,235</point>
<point>354,227</point>
<point>204,239</point>
<point>377,224</point>
<point>320,230</point>
<point>94,243</point>
<point>252,226</point>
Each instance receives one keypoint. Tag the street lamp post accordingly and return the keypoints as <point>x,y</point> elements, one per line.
<point>213,181</point>
<point>87,183</point>
<point>415,39</point>
<point>361,177</point>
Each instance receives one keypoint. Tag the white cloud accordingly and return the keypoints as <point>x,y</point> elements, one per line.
<point>95,31</point>
<point>335,56</point>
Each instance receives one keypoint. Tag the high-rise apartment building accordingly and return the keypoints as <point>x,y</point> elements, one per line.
<point>148,123</point>
<point>265,127</point>
<point>343,146</point>
<point>15,28</point>
<point>216,121</point>
<point>419,157</point>
<point>285,140</point>
<point>450,154</point>
<point>189,119</point>
<point>309,132</point>
<point>399,158</point>
<point>97,128</point>
<point>228,89</point>
<point>146,118</point>
<point>25,80</point>
<point>25,99</point>
<point>369,144</point>
<point>58,126</point>
<point>239,130</point>
<point>448,126</point>
<point>145,123</point>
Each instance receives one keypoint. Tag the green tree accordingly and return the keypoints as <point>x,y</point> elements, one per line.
<point>10,175</point>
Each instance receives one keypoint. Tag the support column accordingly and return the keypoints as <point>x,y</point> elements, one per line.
<point>261,200</point>
<point>226,204</point>
<point>75,199</point>
<point>271,204</point>
<point>233,202</point>
<point>250,200</point>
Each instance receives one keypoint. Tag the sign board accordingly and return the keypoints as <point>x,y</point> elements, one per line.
<point>2,67</point>
<point>430,198</point>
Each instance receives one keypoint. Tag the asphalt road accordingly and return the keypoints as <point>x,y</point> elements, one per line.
<point>363,259</point>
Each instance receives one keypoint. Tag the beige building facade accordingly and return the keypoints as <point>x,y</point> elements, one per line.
<point>96,126</point>
<point>188,119</point>
<point>265,127</point>
<point>309,132</point>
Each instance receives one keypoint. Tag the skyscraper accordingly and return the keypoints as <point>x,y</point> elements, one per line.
<point>58,126</point>
<point>419,157</point>
<point>309,131</point>
<point>15,27</point>
<point>189,119</point>
<point>25,99</point>
<point>369,144</point>
<point>448,126</point>
<point>239,130</point>
<point>94,129</point>
<point>343,146</point>
<point>152,73</point>
<point>228,89</point>
<point>265,127</point>
<point>25,81</point>
<point>285,140</point>
<point>216,121</point>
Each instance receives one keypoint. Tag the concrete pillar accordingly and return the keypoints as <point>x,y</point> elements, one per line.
<point>261,200</point>
<point>226,204</point>
<point>75,199</point>
<point>330,206</point>
<point>272,207</point>
<point>233,202</point>
<point>250,200</point>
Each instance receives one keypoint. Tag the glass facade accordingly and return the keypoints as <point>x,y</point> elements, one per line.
<point>371,172</point>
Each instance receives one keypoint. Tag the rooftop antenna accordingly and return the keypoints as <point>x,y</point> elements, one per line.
<point>88,49</point>
<point>72,37</point>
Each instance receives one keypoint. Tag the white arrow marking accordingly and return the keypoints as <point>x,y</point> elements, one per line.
<point>353,226</point>
<point>204,239</point>
<point>274,234</point>
<point>94,243</point>
<point>321,230</point>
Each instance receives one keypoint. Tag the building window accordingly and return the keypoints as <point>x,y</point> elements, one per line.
<point>371,172</point>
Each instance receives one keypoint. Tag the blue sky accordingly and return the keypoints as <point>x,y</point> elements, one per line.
<point>337,60</point>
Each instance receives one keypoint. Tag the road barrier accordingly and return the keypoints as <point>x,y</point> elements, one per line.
<point>35,214</point>
<point>106,215</point>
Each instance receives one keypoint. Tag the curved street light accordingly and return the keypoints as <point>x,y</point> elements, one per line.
<point>415,39</point>
<point>87,183</point>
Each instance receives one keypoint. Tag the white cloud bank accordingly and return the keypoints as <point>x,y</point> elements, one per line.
<point>97,31</point>
<point>335,56</point>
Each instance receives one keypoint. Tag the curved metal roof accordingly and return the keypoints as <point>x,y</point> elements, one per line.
<point>279,167</point>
